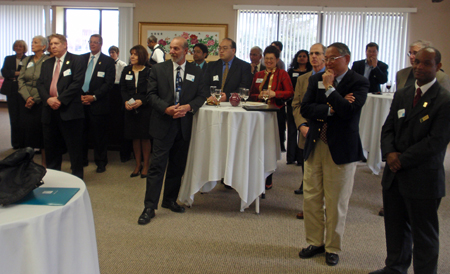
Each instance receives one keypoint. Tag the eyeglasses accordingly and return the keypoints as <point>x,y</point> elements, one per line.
<point>316,53</point>
<point>332,59</point>
<point>223,48</point>
<point>93,42</point>
<point>411,53</point>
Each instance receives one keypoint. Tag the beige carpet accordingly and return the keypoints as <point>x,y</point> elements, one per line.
<point>214,237</point>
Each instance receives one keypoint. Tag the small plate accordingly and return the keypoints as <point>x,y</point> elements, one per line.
<point>255,104</point>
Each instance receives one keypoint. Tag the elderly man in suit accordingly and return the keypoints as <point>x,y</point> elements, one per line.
<point>332,148</point>
<point>229,73</point>
<point>372,68</point>
<point>414,140</point>
<point>405,77</point>
<point>255,59</point>
<point>316,56</point>
<point>175,91</point>
<point>199,55</point>
<point>98,81</point>
<point>59,87</point>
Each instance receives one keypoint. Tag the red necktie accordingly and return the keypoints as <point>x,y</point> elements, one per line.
<point>417,97</point>
<point>53,88</point>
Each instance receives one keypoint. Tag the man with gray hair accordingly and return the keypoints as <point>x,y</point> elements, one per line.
<point>332,149</point>
<point>158,54</point>
<point>255,59</point>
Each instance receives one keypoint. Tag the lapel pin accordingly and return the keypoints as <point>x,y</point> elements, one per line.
<point>129,72</point>
<point>67,62</point>
<point>99,63</point>
<point>425,104</point>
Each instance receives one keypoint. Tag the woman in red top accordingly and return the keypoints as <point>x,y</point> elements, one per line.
<point>277,83</point>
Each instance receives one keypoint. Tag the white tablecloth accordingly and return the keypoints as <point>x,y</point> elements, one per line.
<point>36,239</point>
<point>373,115</point>
<point>240,146</point>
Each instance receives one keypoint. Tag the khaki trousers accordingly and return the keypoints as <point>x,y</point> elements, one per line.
<point>330,185</point>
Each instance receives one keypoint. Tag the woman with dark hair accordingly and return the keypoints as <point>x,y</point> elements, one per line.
<point>133,84</point>
<point>273,83</point>
<point>10,71</point>
<point>299,66</point>
<point>31,103</point>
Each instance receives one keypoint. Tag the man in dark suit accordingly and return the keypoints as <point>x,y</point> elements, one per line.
<point>255,59</point>
<point>229,73</point>
<point>414,140</point>
<point>372,68</point>
<point>98,81</point>
<point>59,87</point>
<point>200,54</point>
<point>175,91</point>
<point>332,148</point>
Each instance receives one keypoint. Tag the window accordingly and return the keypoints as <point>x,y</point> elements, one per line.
<point>80,24</point>
<point>300,27</point>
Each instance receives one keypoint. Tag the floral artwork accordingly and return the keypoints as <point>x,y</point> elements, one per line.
<point>210,39</point>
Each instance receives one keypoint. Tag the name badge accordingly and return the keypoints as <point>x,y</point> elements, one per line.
<point>321,86</point>
<point>216,78</point>
<point>128,77</point>
<point>295,74</point>
<point>67,72</point>
<point>31,64</point>
<point>424,118</point>
<point>190,77</point>
<point>401,113</point>
<point>101,74</point>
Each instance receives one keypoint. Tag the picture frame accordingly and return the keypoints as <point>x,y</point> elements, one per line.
<point>209,34</point>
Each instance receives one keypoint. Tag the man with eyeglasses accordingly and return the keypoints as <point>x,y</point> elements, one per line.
<point>332,149</point>
<point>229,73</point>
<point>98,82</point>
<point>372,68</point>
<point>405,77</point>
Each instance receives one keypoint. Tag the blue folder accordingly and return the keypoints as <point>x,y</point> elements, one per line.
<point>52,196</point>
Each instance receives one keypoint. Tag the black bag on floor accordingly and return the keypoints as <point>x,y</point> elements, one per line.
<point>19,175</point>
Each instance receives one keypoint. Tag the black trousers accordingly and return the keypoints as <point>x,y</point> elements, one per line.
<point>281,117</point>
<point>14,101</point>
<point>60,136</point>
<point>293,153</point>
<point>412,230</point>
<point>172,152</point>
<point>96,126</point>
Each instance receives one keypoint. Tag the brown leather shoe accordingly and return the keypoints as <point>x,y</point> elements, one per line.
<point>300,215</point>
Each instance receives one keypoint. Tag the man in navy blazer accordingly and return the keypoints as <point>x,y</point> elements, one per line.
<point>175,91</point>
<point>62,113</point>
<point>414,140</point>
<point>372,68</point>
<point>238,75</point>
<point>332,104</point>
<point>98,82</point>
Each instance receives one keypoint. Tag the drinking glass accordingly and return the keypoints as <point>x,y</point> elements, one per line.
<point>218,95</point>
<point>265,95</point>
<point>388,86</point>
<point>243,93</point>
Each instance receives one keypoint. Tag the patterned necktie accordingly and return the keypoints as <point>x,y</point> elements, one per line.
<point>417,97</point>
<point>323,133</point>
<point>53,88</point>
<point>179,81</point>
<point>224,76</point>
<point>88,76</point>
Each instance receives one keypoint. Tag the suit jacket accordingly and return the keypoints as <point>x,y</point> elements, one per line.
<point>128,86</point>
<point>421,136</point>
<point>70,82</point>
<point>300,90</point>
<point>102,81</point>
<point>239,76</point>
<point>261,68</point>
<point>8,72</point>
<point>161,95</point>
<point>378,75</point>
<point>405,78</point>
<point>281,84</point>
<point>343,127</point>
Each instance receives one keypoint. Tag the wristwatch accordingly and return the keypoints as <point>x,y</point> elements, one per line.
<point>330,86</point>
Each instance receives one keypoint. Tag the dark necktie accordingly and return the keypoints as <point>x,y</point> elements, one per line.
<point>323,131</point>
<point>179,81</point>
<point>417,97</point>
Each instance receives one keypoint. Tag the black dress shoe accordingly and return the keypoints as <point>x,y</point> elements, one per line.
<point>136,174</point>
<point>331,259</point>
<point>101,169</point>
<point>290,162</point>
<point>311,251</point>
<point>146,216</point>
<point>85,163</point>
<point>380,271</point>
<point>298,191</point>
<point>300,215</point>
<point>173,206</point>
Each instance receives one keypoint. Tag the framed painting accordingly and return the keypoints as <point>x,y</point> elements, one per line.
<point>208,34</point>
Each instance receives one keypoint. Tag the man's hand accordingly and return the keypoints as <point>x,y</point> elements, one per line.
<point>171,110</point>
<point>213,99</point>
<point>29,103</point>
<point>304,130</point>
<point>137,104</point>
<point>350,98</point>
<point>393,161</point>
<point>328,78</point>
<point>181,111</point>
<point>87,99</point>
<point>54,103</point>
<point>128,106</point>
<point>372,61</point>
